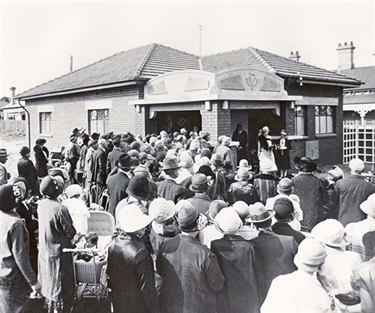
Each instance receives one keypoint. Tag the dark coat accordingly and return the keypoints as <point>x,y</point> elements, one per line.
<point>131,276</point>
<point>313,196</point>
<point>99,170</point>
<point>41,154</point>
<point>170,190</point>
<point>218,190</point>
<point>242,191</point>
<point>191,277</point>
<point>286,230</point>
<point>350,192</point>
<point>27,170</point>
<point>200,202</point>
<point>113,157</point>
<point>265,186</point>
<point>274,256</point>
<point>282,156</point>
<point>117,185</point>
<point>236,258</point>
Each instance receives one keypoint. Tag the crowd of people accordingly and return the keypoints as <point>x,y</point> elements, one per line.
<point>196,231</point>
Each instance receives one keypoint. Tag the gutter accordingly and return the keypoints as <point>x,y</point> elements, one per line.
<point>28,123</point>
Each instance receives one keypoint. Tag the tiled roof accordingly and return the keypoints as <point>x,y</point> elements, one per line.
<point>365,74</point>
<point>154,59</point>
<point>359,98</point>
<point>164,59</point>
<point>286,67</point>
<point>231,59</point>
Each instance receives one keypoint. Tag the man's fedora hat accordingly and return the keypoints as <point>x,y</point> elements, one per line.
<point>258,213</point>
<point>123,162</point>
<point>170,164</point>
<point>3,152</point>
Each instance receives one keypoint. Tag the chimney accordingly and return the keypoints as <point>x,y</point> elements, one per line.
<point>13,89</point>
<point>345,54</point>
<point>294,57</point>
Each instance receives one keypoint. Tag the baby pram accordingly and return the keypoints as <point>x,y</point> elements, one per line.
<point>90,275</point>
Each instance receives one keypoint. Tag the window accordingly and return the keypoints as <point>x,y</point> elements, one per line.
<point>98,121</point>
<point>324,117</point>
<point>300,120</point>
<point>45,122</point>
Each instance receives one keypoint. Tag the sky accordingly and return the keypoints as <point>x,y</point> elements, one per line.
<point>37,38</point>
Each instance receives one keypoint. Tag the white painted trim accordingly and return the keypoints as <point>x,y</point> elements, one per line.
<point>45,108</point>
<point>100,104</point>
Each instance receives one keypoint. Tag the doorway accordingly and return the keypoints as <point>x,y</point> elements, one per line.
<point>174,121</point>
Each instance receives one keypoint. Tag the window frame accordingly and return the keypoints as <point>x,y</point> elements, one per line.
<point>304,122</point>
<point>324,119</point>
<point>44,130</point>
<point>103,118</point>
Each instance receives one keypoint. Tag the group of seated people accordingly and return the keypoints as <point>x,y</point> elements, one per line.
<point>194,231</point>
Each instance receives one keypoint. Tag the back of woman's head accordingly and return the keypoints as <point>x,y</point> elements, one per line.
<point>7,199</point>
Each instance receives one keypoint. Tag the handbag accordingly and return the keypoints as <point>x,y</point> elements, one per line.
<point>35,303</point>
<point>348,298</point>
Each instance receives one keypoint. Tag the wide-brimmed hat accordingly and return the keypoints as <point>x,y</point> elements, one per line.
<point>243,174</point>
<point>3,152</point>
<point>283,208</point>
<point>241,208</point>
<point>95,136</point>
<point>227,221</point>
<point>258,213</point>
<point>51,187</point>
<point>311,254</point>
<point>336,173</point>
<point>199,183</point>
<point>206,170</point>
<point>285,185</point>
<point>139,188</point>
<point>307,165</point>
<point>24,150</point>
<point>170,164</point>
<point>73,190</point>
<point>186,161</point>
<point>123,162</point>
<point>368,206</point>
<point>330,232</point>
<point>188,217</point>
<point>161,209</point>
<point>131,219</point>
<point>245,164</point>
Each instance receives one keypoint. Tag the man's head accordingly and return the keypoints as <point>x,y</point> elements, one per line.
<point>3,155</point>
<point>285,186</point>
<point>239,127</point>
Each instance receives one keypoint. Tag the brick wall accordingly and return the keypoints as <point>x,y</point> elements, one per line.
<point>330,147</point>
<point>70,111</point>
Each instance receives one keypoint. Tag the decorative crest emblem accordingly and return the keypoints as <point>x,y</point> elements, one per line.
<point>252,80</point>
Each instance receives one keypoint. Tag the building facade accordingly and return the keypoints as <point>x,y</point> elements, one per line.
<point>154,88</point>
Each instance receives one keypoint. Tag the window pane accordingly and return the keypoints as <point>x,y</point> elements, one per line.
<point>330,124</point>
<point>323,124</point>
<point>317,124</point>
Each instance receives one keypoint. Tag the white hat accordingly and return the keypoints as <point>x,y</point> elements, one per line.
<point>132,219</point>
<point>368,206</point>
<point>244,163</point>
<point>186,160</point>
<point>311,254</point>
<point>356,165</point>
<point>227,221</point>
<point>241,208</point>
<point>258,213</point>
<point>73,190</point>
<point>161,210</point>
<point>243,174</point>
<point>330,232</point>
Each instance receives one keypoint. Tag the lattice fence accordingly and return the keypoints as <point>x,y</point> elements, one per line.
<point>359,141</point>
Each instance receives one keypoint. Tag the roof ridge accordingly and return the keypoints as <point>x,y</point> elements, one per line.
<point>261,60</point>
<point>184,52</point>
<point>145,59</point>
<point>81,68</point>
<point>225,52</point>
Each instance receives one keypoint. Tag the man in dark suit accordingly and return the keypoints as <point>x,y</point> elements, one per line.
<point>115,154</point>
<point>118,183</point>
<point>241,136</point>
<point>168,188</point>
<point>99,172</point>
<point>284,209</point>
<point>274,254</point>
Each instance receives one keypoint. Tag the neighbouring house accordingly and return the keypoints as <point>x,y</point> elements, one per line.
<point>3,102</point>
<point>12,111</point>
<point>154,87</point>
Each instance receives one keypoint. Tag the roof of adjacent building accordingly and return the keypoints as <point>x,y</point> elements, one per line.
<point>152,60</point>
<point>365,74</point>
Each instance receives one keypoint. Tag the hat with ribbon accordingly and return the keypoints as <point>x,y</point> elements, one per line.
<point>199,183</point>
<point>170,164</point>
<point>258,213</point>
<point>330,232</point>
<point>188,217</point>
<point>243,174</point>
<point>3,152</point>
<point>285,185</point>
